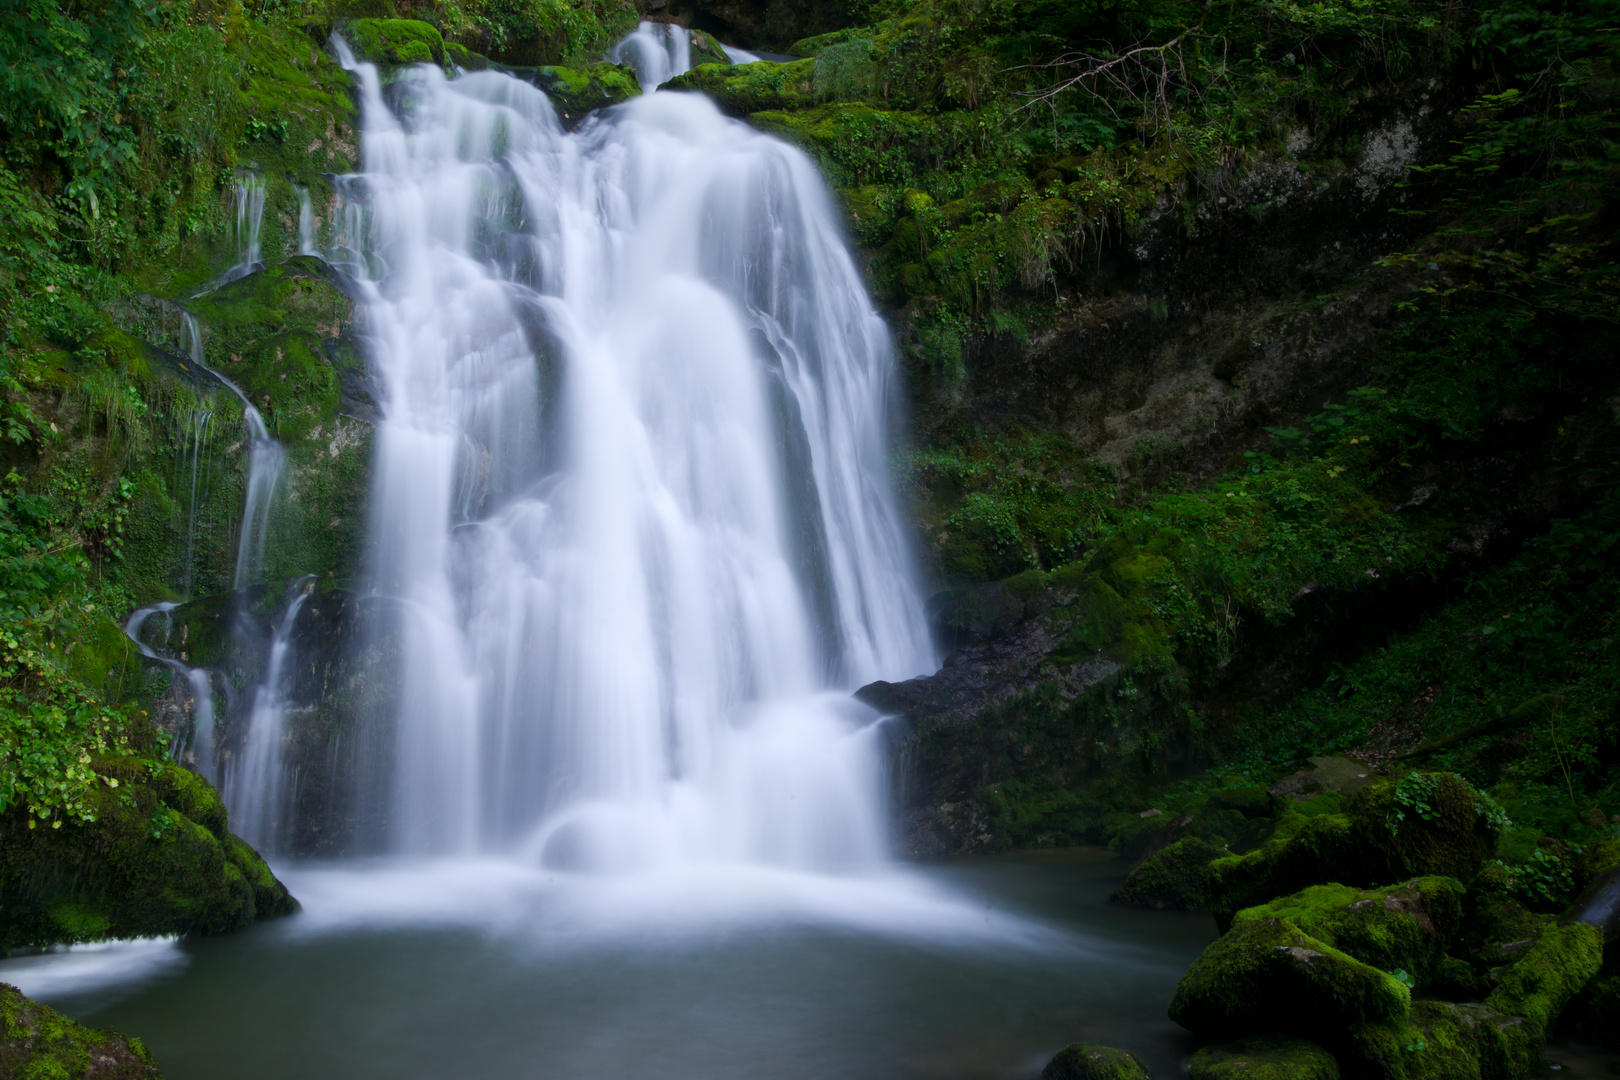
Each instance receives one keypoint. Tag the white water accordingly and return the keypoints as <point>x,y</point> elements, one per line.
<point>630,490</point>
<point>740,56</point>
<point>200,746</point>
<point>306,224</point>
<point>657,52</point>
<point>250,189</point>
<point>255,788</point>
<point>267,459</point>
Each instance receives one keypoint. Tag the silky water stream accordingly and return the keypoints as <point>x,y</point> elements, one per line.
<point>633,537</point>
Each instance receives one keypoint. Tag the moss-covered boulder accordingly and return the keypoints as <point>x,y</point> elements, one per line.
<point>577,92</point>
<point>1085,1061</point>
<point>1405,928</point>
<point>1499,1039</point>
<point>1265,1057</point>
<point>1439,1040</point>
<point>1176,878</point>
<point>39,1043</point>
<point>706,50</point>
<point>1423,824</point>
<point>154,857</point>
<point>1553,970</point>
<point>1267,974</point>
<point>393,41</point>
<point>742,89</point>
<point>1497,926</point>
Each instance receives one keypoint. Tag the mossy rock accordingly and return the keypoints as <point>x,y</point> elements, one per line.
<point>1593,1015</point>
<point>1427,823</point>
<point>1497,925</point>
<point>39,1043</point>
<point>1176,878</point>
<point>156,859</point>
<point>1439,1040</point>
<point>1541,982</point>
<point>1085,1061</point>
<point>1265,1057</point>
<point>706,50</point>
<point>1406,927</point>
<point>1370,844</point>
<point>742,89</point>
<point>1268,975</point>
<point>1499,1039</point>
<point>577,92</point>
<point>393,41</point>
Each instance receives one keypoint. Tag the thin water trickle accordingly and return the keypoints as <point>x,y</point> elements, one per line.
<point>197,745</point>
<point>630,493</point>
<point>306,224</point>
<point>255,787</point>
<point>250,191</point>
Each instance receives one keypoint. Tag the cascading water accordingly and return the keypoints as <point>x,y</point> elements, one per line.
<point>255,786</point>
<point>630,491</point>
<point>306,224</point>
<point>266,460</point>
<point>657,52</point>
<point>199,750</point>
<point>250,190</point>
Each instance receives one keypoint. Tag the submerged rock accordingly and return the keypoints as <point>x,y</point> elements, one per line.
<point>1085,1061</point>
<point>39,1043</point>
<point>1265,1057</point>
<point>1267,974</point>
<point>154,858</point>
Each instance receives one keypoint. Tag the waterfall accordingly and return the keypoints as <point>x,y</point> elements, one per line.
<point>657,52</point>
<point>254,790</point>
<point>266,460</point>
<point>306,224</point>
<point>201,743</point>
<point>740,56</point>
<point>630,499</point>
<point>250,188</point>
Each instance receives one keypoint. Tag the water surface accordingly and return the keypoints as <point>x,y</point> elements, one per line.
<point>970,969</point>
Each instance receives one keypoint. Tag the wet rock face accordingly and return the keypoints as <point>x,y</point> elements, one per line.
<point>38,1043</point>
<point>337,686</point>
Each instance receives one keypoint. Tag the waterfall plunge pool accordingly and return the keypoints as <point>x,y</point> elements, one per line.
<point>975,968</point>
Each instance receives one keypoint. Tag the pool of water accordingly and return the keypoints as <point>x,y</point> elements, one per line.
<point>979,968</point>
<point>962,970</point>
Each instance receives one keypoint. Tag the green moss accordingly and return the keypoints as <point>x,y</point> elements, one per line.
<point>1264,1057</point>
<point>1086,1061</point>
<point>1552,971</point>
<point>1404,928</point>
<point>1267,974</point>
<point>576,92</point>
<point>393,41</point>
<point>38,1043</point>
<point>1443,1041</point>
<point>140,866</point>
<point>1176,878</point>
<point>743,89</point>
